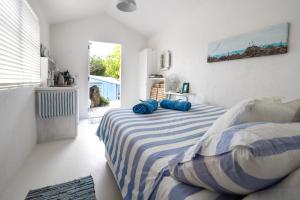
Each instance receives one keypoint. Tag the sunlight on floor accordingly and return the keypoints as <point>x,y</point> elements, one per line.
<point>61,161</point>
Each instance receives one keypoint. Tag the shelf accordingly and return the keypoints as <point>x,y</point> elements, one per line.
<point>56,88</point>
<point>157,78</point>
<point>50,60</point>
<point>179,94</point>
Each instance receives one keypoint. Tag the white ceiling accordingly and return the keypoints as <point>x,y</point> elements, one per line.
<point>58,11</point>
<point>150,17</point>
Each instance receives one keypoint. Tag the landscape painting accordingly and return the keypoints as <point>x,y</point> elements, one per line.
<point>269,41</point>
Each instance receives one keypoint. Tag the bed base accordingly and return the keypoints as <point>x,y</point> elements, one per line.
<point>109,163</point>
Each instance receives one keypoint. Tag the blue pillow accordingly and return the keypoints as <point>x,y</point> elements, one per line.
<point>146,107</point>
<point>175,105</point>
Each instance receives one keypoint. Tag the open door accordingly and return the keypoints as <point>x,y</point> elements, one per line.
<point>104,78</point>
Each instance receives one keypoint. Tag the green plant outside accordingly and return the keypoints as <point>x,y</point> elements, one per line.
<point>108,66</point>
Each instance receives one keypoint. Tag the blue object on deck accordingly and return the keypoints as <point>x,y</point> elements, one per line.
<point>175,105</point>
<point>145,107</point>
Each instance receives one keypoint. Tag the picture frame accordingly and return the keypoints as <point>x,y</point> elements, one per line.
<point>165,60</point>
<point>185,87</point>
<point>272,40</point>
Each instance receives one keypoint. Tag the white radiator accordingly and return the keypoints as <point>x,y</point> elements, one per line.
<point>56,103</point>
<point>57,113</point>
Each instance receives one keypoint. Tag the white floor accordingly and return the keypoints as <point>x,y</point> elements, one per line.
<point>61,161</point>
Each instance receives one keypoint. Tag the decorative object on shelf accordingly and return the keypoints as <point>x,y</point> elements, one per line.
<point>60,80</point>
<point>158,91</point>
<point>269,41</point>
<point>43,51</point>
<point>126,5</point>
<point>69,80</point>
<point>63,79</point>
<point>172,83</point>
<point>166,60</point>
<point>50,82</point>
<point>48,68</point>
<point>185,88</point>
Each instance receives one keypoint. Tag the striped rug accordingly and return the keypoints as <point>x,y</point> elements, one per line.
<point>80,189</point>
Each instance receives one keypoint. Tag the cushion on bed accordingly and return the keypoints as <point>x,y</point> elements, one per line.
<point>256,110</point>
<point>232,116</point>
<point>175,104</point>
<point>271,111</point>
<point>243,159</point>
<point>145,107</point>
<point>287,189</point>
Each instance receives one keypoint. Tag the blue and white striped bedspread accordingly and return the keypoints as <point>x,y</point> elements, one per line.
<point>140,146</point>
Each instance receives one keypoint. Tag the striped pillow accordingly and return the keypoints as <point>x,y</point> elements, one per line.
<point>241,160</point>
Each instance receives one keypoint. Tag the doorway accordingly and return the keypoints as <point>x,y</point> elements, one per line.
<point>104,78</point>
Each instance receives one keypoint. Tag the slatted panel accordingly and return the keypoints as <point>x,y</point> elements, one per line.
<point>57,103</point>
<point>19,44</point>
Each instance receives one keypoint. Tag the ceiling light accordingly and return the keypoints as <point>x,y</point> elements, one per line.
<point>126,5</point>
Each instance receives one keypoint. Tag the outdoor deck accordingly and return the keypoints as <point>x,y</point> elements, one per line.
<point>95,114</point>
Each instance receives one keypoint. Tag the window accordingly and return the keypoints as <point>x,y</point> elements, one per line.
<point>19,44</point>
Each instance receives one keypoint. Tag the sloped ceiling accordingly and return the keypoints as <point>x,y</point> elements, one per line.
<point>150,16</point>
<point>58,11</point>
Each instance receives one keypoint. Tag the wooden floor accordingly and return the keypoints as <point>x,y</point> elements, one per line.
<point>61,161</point>
<point>95,114</point>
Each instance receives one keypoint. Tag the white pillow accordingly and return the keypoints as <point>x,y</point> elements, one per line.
<point>256,110</point>
<point>271,111</point>
<point>238,114</point>
<point>288,188</point>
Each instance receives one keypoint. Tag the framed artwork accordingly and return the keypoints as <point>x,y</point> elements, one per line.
<point>185,88</point>
<point>269,41</point>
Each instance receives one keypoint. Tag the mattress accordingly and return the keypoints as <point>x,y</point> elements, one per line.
<point>139,147</point>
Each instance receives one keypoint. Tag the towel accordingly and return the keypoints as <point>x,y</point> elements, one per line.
<point>176,105</point>
<point>145,107</point>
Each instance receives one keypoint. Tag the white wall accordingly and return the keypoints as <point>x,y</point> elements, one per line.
<point>44,25</point>
<point>225,83</point>
<point>17,132</point>
<point>69,42</point>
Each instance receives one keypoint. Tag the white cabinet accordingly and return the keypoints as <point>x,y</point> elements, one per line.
<point>147,65</point>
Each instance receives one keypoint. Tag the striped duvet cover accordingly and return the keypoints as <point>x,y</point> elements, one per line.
<point>139,148</point>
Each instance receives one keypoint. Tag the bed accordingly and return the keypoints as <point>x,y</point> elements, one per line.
<point>139,147</point>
